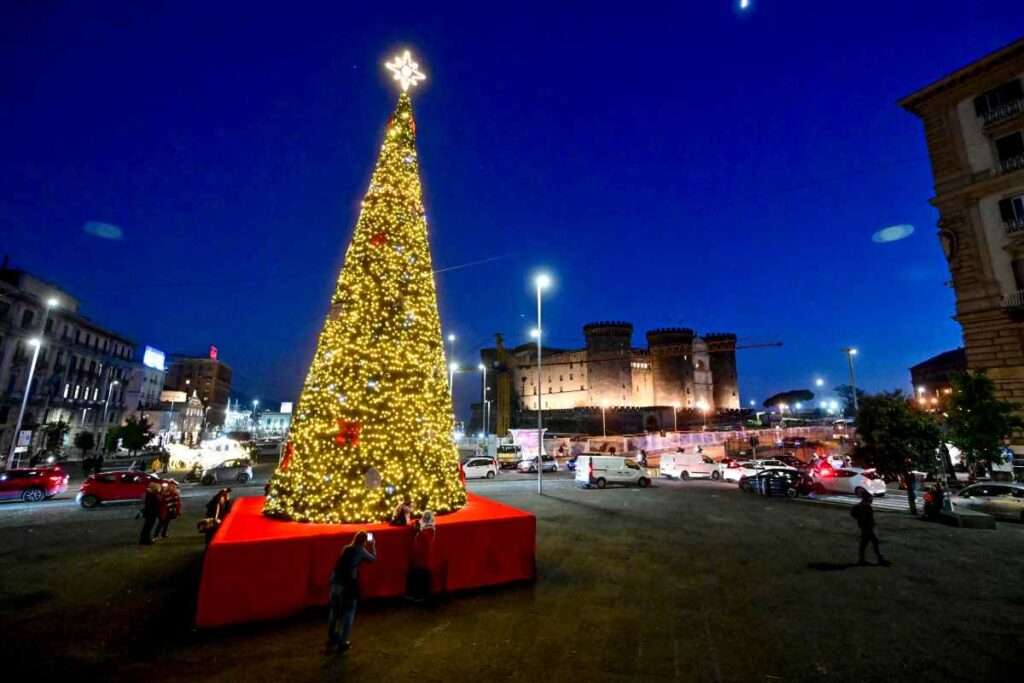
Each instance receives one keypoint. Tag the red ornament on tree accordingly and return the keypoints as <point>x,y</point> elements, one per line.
<point>348,432</point>
<point>379,239</point>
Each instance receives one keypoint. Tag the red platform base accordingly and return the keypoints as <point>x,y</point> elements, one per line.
<point>258,568</point>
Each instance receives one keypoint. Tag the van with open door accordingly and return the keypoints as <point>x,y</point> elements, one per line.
<point>604,470</point>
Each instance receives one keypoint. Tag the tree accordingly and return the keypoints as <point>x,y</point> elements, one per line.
<point>789,398</point>
<point>110,439</point>
<point>374,419</point>
<point>53,435</point>
<point>977,420</point>
<point>845,393</point>
<point>136,433</point>
<point>85,441</point>
<point>896,438</point>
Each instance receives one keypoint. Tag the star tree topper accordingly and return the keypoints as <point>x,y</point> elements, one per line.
<point>406,71</point>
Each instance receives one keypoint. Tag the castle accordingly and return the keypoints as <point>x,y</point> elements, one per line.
<point>678,369</point>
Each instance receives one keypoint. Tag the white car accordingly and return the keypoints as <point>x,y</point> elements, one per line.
<point>748,468</point>
<point>480,468</point>
<point>999,500</point>
<point>851,480</point>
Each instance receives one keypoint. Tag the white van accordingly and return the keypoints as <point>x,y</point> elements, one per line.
<point>686,465</point>
<point>601,470</point>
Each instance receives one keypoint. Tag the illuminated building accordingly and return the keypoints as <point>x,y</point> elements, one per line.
<point>974,127</point>
<point>207,376</point>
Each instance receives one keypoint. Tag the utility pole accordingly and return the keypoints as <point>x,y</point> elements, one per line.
<point>850,353</point>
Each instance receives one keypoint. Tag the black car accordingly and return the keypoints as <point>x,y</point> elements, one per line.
<point>789,483</point>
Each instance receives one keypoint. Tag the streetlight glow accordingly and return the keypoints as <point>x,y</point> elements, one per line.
<point>453,367</point>
<point>52,302</point>
<point>535,333</point>
<point>819,382</point>
<point>34,341</point>
<point>451,337</point>
<point>543,281</point>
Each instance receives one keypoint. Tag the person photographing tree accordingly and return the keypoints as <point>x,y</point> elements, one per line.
<point>345,589</point>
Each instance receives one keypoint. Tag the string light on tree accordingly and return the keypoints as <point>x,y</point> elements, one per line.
<point>374,419</point>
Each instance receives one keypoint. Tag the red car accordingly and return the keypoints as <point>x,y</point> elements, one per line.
<point>110,486</point>
<point>33,484</point>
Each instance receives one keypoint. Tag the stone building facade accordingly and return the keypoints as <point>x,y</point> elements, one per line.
<point>678,368</point>
<point>205,376</point>
<point>81,372</point>
<point>974,127</point>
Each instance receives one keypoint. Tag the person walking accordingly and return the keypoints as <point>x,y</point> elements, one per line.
<point>150,513</point>
<point>865,516</point>
<point>170,508</point>
<point>345,589</point>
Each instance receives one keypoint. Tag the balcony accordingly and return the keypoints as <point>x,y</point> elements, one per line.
<point>1014,226</point>
<point>1015,301</point>
<point>1015,163</point>
<point>1002,112</point>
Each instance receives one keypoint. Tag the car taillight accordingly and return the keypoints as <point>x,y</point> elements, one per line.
<point>733,466</point>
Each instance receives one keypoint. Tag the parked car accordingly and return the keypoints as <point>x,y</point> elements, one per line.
<point>793,461</point>
<point>549,464</point>
<point>602,470</point>
<point>850,480</point>
<point>33,484</point>
<point>237,470</point>
<point>686,465</point>
<point>749,468</point>
<point>789,482</point>
<point>509,455</point>
<point>480,468</point>
<point>107,487</point>
<point>1004,500</point>
<point>269,448</point>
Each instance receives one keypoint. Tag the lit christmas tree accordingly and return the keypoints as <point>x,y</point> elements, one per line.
<point>374,420</point>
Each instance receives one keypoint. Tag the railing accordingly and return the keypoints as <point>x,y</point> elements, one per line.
<point>1012,164</point>
<point>1014,226</point>
<point>1015,300</point>
<point>1002,112</point>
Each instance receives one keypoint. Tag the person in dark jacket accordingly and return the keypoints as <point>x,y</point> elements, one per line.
<point>217,509</point>
<point>345,589</point>
<point>865,516</point>
<point>150,513</point>
<point>418,583</point>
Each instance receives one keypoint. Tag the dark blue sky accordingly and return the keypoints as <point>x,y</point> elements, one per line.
<point>681,163</point>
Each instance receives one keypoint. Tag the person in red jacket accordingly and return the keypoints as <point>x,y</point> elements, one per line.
<point>170,507</point>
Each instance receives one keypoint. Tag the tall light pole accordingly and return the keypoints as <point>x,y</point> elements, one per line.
<point>541,281</point>
<point>255,423</point>
<point>675,416</point>
<point>106,404</point>
<point>850,353</point>
<point>452,367</point>
<point>483,395</point>
<point>604,426</point>
<point>37,342</point>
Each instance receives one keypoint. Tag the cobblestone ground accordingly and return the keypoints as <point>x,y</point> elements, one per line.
<point>683,581</point>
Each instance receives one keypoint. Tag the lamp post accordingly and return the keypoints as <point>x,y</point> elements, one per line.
<point>675,416</point>
<point>483,395</point>
<point>541,281</point>
<point>106,404</point>
<point>604,426</point>
<point>50,303</point>
<point>452,367</point>
<point>850,353</point>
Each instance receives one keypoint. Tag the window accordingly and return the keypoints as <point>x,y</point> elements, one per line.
<point>986,103</point>
<point>67,388</point>
<point>1010,146</point>
<point>1012,209</point>
<point>77,389</point>
<point>570,376</point>
<point>27,316</point>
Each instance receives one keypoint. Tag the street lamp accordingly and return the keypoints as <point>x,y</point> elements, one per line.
<point>799,406</point>
<point>675,416</point>
<point>452,366</point>
<point>106,404</point>
<point>604,425</point>
<point>703,405</point>
<point>819,382</point>
<point>850,353</point>
<point>483,395</point>
<point>36,343</point>
<point>542,281</point>
<point>255,423</point>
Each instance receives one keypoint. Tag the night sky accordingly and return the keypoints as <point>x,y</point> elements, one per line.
<point>680,164</point>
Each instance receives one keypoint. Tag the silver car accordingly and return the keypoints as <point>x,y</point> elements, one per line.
<point>237,470</point>
<point>1004,500</point>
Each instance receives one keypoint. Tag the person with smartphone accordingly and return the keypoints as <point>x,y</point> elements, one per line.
<point>345,589</point>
